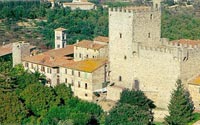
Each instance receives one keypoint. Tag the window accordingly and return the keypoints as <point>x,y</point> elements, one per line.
<point>58,80</point>
<point>72,72</point>
<point>47,70</point>
<point>32,66</point>
<point>79,84</point>
<point>156,6</point>
<point>79,74</point>
<point>120,78</point>
<point>58,37</point>
<point>72,82</point>
<point>136,85</point>
<point>58,46</point>
<point>120,35</point>
<point>86,94</point>
<point>58,70</point>
<point>79,55</point>
<point>37,67</point>
<point>149,35</point>
<point>85,85</point>
<point>65,71</point>
<point>65,80</point>
<point>43,69</point>
<point>50,70</point>
<point>125,57</point>
<point>86,56</point>
<point>151,16</point>
<point>85,75</point>
<point>26,64</point>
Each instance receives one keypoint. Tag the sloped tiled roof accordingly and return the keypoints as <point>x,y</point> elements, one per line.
<point>89,44</point>
<point>7,49</point>
<point>78,3</point>
<point>88,65</point>
<point>186,41</point>
<point>195,81</point>
<point>101,39</point>
<point>53,57</point>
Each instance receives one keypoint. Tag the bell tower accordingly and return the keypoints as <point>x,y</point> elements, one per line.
<point>60,38</point>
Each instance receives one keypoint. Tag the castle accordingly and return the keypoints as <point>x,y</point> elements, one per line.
<point>134,57</point>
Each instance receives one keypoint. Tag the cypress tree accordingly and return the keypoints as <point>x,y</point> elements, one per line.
<point>180,107</point>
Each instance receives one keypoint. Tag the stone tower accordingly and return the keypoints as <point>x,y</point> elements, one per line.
<point>60,38</point>
<point>128,28</point>
<point>19,51</point>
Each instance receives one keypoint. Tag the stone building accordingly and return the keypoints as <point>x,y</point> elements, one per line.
<point>140,59</point>
<point>83,66</point>
<point>60,38</point>
<point>81,4</point>
<point>134,57</point>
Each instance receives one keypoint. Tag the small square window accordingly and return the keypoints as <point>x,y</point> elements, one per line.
<point>120,35</point>
<point>79,84</point>
<point>66,80</point>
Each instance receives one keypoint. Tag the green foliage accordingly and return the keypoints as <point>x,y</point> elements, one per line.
<point>11,108</point>
<point>133,108</point>
<point>18,10</point>
<point>177,25</point>
<point>79,24</point>
<point>76,111</point>
<point>38,98</point>
<point>196,117</point>
<point>136,98</point>
<point>25,100</point>
<point>126,114</point>
<point>180,107</point>
<point>63,93</point>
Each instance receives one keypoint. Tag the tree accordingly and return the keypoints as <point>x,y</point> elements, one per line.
<point>38,99</point>
<point>180,107</point>
<point>136,98</point>
<point>11,108</point>
<point>126,114</point>
<point>133,108</point>
<point>63,93</point>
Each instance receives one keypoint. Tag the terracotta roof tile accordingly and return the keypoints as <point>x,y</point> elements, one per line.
<point>186,41</point>
<point>101,39</point>
<point>89,44</point>
<point>53,57</point>
<point>7,49</point>
<point>78,3</point>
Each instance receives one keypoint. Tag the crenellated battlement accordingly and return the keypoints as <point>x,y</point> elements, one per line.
<point>132,9</point>
<point>181,45</point>
<point>157,49</point>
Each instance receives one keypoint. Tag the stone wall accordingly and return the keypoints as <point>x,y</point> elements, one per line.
<point>156,73</point>
<point>19,51</point>
<point>89,53</point>
<point>195,94</point>
<point>190,65</point>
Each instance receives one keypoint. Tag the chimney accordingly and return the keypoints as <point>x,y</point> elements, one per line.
<point>77,41</point>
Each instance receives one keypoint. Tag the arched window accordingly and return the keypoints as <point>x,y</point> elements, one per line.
<point>85,85</point>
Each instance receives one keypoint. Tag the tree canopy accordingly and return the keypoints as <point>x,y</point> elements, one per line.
<point>181,106</point>
<point>133,108</point>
